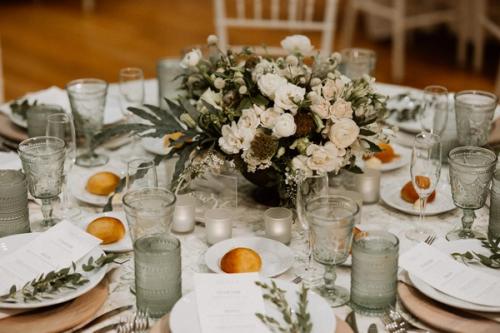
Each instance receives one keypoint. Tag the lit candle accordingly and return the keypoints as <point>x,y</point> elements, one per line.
<point>218,225</point>
<point>184,214</point>
<point>368,184</point>
<point>278,224</point>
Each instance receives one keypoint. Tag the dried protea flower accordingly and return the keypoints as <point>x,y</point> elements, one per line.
<point>305,124</point>
<point>264,146</point>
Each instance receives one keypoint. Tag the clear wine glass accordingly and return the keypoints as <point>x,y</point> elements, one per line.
<point>331,219</point>
<point>131,84</point>
<point>308,188</point>
<point>141,173</point>
<point>434,114</point>
<point>425,171</point>
<point>61,125</point>
<point>43,163</point>
<point>471,170</point>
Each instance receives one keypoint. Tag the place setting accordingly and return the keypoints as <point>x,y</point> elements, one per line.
<point>250,193</point>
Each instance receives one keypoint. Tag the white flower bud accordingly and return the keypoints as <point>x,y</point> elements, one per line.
<point>239,81</point>
<point>292,60</point>
<point>212,77</point>
<point>281,152</point>
<point>212,40</point>
<point>302,80</point>
<point>331,76</point>
<point>219,83</point>
<point>315,82</point>
<point>238,75</point>
<point>220,70</point>
<point>243,90</point>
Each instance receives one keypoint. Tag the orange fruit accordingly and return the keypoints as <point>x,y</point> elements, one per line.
<point>423,182</point>
<point>387,153</point>
<point>167,139</point>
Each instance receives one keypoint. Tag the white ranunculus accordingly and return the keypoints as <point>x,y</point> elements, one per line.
<point>343,132</point>
<point>269,117</point>
<point>248,119</point>
<point>212,98</point>
<point>299,163</point>
<point>297,44</point>
<point>269,83</point>
<point>191,59</point>
<point>332,88</point>
<point>288,96</point>
<point>285,126</point>
<point>325,158</point>
<point>341,109</point>
<point>234,138</point>
<point>321,107</point>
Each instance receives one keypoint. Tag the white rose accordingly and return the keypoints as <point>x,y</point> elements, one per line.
<point>321,107</point>
<point>212,98</point>
<point>332,88</point>
<point>325,158</point>
<point>297,44</point>
<point>191,58</point>
<point>299,163</point>
<point>288,96</point>
<point>234,138</point>
<point>341,109</point>
<point>343,133</point>
<point>269,83</point>
<point>269,117</point>
<point>248,119</point>
<point>285,126</point>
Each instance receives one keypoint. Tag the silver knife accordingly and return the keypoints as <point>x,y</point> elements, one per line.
<point>372,328</point>
<point>351,321</point>
<point>103,317</point>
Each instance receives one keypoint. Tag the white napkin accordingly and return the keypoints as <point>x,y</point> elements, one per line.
<point>10,161</point>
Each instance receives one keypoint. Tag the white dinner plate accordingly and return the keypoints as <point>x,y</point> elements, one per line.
<point>184,316</point>
<point>276,257</point>
<point>459,246</point>
<point>391,195</point>
<point>403,159</point>
<point>77,185</point>
<point>124,244</point>
<point>11,243</point>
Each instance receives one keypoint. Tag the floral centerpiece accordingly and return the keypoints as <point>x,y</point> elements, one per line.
<point>273,118</point>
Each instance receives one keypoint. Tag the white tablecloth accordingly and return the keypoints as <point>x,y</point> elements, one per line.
<point>250,222</point>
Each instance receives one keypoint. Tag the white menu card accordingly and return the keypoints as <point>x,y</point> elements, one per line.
<point>227,303</point>
<point>53,249</point>
<point>445,274</point>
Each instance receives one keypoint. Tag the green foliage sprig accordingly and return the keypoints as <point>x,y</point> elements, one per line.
<point>408,113</point>
<point>493,261</point>
<point>295,321</point>
<point>46,285</point>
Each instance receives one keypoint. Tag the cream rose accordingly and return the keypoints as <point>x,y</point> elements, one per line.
<point>191,58</point>
<point>321,107</point>
<point>341,109</point>
<point>332,88</point>
<point>299,163</point>
<point>288,96</point>
<point>249,119</point>
<point>269,83</point>
<point>234,138</point>
<point>269,117</point>
<point>325,158</point>
<point>297,44</point>
<point>343,132</point>
<point>285,126</point>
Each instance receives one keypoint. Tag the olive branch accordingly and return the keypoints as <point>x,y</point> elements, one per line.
<point>295,321</point>
<point>493,261</point>
<point>46,285</point>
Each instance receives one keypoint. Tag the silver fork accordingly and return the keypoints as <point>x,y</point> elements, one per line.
<point>393,322</point>
<point>429,240</point>
<point>136,324</point>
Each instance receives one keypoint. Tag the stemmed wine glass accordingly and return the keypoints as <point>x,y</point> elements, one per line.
<point>434,113</point>
<point>61,125</point>
<point>308,188</point>
<point>131,83</point>
<point>471,170</point>
<point>425,171</point>
<point>43,163</point>
<point>331,219</point>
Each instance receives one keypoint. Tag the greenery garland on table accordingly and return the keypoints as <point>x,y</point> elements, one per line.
<point>287,116</point>
<point>493,261</point>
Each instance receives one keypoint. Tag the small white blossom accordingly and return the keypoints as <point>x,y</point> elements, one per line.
<point>269,117</point>
<point>288,96</point>
<point>242,90</point>
<point>269,83</point>
<point>234,138</point>
<point>297,44</point>
<point>219,83</point>
<point>191,59</point>
<point>292,60</point>
<point>315,81</point>
<point>320,106</point>
<point>343,133</point>
<point>249,119</point>
<point>212,98</point>
<point>325,158</point>
<point>341,109</point>
<point>285,126</point>
<point>299,163</point>
<point>212,40</point>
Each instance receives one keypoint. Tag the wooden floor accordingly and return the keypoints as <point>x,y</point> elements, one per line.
<point>50,42</point>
